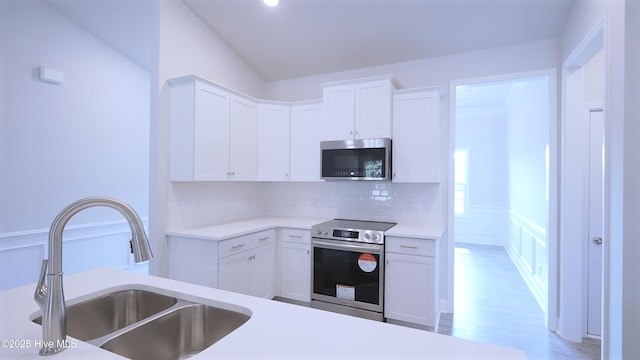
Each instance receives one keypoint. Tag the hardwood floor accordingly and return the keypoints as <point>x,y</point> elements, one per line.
<point>494,305</point>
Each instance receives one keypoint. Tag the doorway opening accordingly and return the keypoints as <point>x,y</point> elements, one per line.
<point>504,142</point>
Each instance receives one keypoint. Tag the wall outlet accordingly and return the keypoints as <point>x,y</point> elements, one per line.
<point>411,207</point>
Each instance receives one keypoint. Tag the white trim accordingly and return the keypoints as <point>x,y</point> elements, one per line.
<point>19,239</point>
<point>14,244</point>
<point>590,45</point>
<point>438,88</point>
<point>389,77</point>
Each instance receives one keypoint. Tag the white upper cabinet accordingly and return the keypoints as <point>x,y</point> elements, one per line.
<point>307,128</point>
<point>273,146</point>
<point>213,134</point>
<point>359,109</point>
<point>243,139</point>
<point>416,136</point>
<point>339,110</point>
<point>199,139</point>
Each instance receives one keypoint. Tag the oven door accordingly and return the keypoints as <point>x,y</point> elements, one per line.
<point>348,273</point>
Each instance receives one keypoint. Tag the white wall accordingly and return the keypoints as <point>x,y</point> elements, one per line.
<point>528,138</point>
<point>528,185</point>
<point>88,136</point>
<point>483,134</point>
<point>430,72</point>
<point>185,45</point>
<point>376,201</point>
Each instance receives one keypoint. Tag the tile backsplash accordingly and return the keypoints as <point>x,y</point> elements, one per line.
<point>209,203</point>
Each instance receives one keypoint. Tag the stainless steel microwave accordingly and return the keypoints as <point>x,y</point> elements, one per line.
<point>362,159</point>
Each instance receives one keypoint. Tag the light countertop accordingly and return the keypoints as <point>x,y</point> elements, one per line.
<point>243,227</point>
<point>275,330</point>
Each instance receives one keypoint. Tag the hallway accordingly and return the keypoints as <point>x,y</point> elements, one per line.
<point>494,305</point>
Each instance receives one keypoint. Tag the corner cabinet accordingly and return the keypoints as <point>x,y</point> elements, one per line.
<point>245,264</point>
<point>417,135</point>
<point>359,109</point>
<point>411,283</point>
<point>213,133</point>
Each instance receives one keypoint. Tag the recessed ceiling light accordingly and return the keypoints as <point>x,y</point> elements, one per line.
<point>271,2</point>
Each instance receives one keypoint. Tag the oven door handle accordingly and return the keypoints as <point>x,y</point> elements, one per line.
<point>359,247</point>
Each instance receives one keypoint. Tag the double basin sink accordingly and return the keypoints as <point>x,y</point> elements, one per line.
<point>142,324</point>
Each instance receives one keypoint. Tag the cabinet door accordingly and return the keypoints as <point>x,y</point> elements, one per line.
<point>273,148</point>
<point>410,289</point>
<point>235,273</point>
<point>211,133</point>
<point>263,271</point>
<point>339,112</point>
<point>307,127</point>
<point>295,271</point>
<point>199,133</point>
<point>416,137</point>
<point>373,110</point>
<point>243,137</point>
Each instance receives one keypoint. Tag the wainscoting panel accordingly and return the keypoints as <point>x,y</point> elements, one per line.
<point>84,247</point>
<point>483,225</point>
<point>527,247</point>
<point>20,265</point>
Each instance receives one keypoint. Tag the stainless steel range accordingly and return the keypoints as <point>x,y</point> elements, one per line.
<point>348,267</point>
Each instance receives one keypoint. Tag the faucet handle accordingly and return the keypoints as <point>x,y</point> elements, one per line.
<point>41,287</point>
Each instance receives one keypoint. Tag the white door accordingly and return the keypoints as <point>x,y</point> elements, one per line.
<point>596,172</point>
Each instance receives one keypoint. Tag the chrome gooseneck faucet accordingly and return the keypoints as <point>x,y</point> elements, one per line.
<point>49,294</point>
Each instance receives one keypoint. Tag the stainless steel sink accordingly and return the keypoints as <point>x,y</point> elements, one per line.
<point>108,313</point>
<point>141,324</point>
<point>178,334</point>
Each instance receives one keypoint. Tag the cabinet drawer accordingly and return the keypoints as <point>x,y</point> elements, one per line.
<point>296,235</point>
<point>413,246</point>
<point>245,242</point>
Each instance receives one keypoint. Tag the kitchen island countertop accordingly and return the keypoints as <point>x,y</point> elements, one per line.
<point>276,330</point>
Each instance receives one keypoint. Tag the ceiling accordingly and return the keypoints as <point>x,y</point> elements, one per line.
<point>309,37</point>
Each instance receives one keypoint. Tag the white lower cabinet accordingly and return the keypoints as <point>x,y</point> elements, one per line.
<point>411,281</point>
<point>244,264</point>
<point>250,272</point>
<point>249,266</point>
<point>295,265</point>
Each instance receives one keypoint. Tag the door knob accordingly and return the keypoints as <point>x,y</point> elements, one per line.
<point>597,240</point>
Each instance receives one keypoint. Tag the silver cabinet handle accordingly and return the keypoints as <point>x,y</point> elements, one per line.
<point>409,247</point>
<point>236,247</point>
<point>597,240</point>
<point>295,236</point>
<point>265,238</point>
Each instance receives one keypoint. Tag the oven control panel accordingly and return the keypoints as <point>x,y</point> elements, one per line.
<point>366,236</point>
